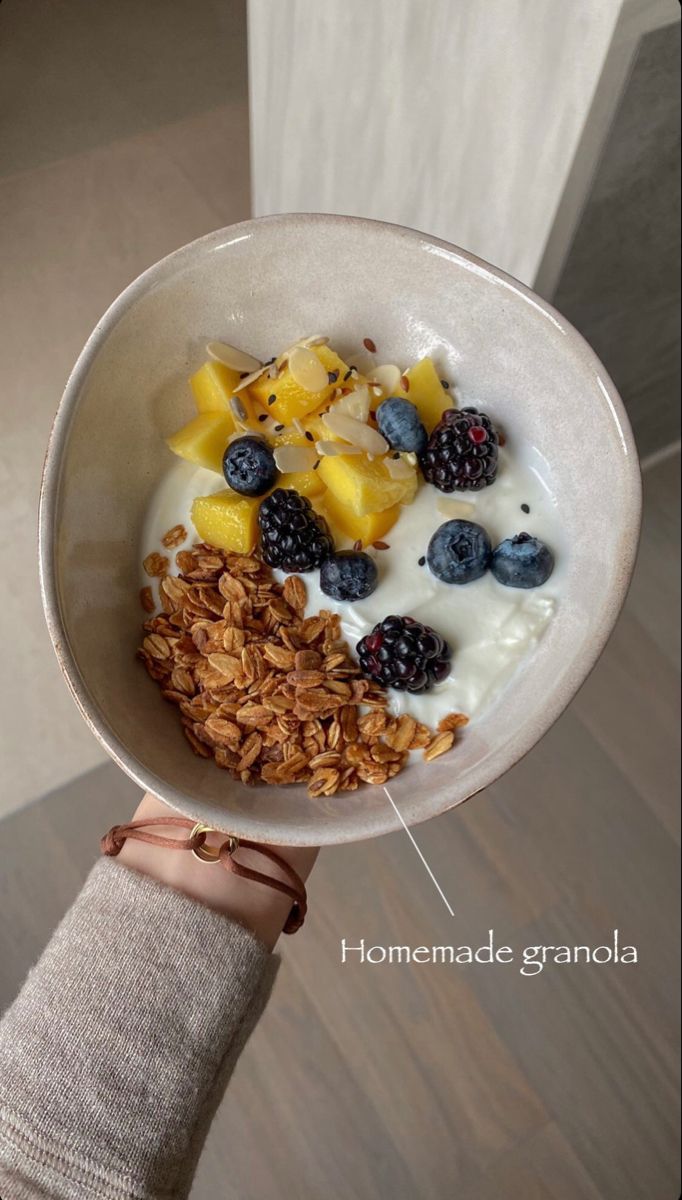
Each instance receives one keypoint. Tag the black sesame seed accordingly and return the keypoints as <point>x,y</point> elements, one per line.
<point>525,508</point>
<point>279,428</point>
<point>332,376</point>
<point>422,560</point>
<point>271,399</point>
<point>262,416</point>
<point>316,465</point>
<point>444,383</point>
<point>309,436</point>
<point>348,374</point>
<point>395,457</point>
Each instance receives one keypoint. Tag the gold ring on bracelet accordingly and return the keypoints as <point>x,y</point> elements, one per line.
<point>210,854</point>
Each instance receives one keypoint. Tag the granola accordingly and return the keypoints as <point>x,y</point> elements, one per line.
<point>269,694</point>
<point>155,565</point>
<point>174,537</point>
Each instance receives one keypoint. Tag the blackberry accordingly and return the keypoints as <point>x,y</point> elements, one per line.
<point>462,451</point>
<point>292,536</point>
<point>404,654</point>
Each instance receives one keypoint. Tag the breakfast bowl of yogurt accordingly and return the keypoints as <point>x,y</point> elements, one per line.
<point>335,520</point>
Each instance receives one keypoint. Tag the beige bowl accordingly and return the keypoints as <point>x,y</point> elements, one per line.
<point>259,285</point>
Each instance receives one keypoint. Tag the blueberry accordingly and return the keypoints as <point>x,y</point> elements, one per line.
<point>249,466</point>
<point>522,562</point>
<point>348,575</point>
<point>459,552</point>
<point>398,421</point>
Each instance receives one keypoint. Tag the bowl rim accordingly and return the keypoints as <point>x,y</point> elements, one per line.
<point>243,825</point>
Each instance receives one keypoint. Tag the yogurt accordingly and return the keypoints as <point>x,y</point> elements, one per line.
<point>490,628</point>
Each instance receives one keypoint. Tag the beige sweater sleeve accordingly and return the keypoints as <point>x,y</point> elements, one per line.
<point>117,1051</point>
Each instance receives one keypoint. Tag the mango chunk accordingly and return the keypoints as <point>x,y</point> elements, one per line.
<point>227,520</point>
<point>317,427</point>
<point>213,387</point>
<point>306,483</point>
<point>292,401</point>
<point>368,529</point>
<point>363,486</point>
<point>427,393</point>
<point>203,440</point>
<point>289,437</point>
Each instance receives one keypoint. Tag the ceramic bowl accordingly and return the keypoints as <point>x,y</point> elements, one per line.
<point>260,285</point>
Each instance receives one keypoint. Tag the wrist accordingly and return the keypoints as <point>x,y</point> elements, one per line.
<point>259,908</point>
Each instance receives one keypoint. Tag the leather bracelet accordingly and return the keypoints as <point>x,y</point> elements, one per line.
<point>113,841</point>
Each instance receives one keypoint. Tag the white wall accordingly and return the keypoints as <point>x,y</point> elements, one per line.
<point>459,117</point>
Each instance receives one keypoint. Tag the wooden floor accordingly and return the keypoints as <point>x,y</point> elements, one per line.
<point>431,1082</point>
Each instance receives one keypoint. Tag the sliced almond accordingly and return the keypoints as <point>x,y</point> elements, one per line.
<point>455,509</point>
<point>388,379</point>
<point>329,449</point>
<point>317,339</point>
<point>295,458</point>
<point>354,403</point>
<point>306,370</point>
<point>356,432</point>
<point>251,378</point>
<point>238,360</point>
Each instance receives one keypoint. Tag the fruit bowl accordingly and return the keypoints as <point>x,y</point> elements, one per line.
<point>259,285</point>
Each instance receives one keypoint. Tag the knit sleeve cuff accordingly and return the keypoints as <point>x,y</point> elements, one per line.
<point>115,1054</point>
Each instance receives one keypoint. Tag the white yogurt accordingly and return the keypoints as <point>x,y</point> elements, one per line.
<point>490,628</point>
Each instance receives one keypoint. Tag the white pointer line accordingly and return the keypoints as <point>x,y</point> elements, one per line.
<point>436,884</point>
